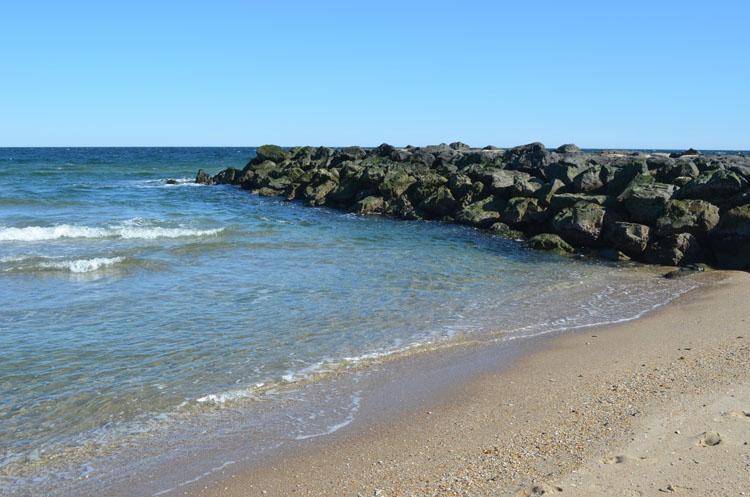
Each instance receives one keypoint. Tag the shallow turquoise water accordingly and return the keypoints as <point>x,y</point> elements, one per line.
<point>125,298</point>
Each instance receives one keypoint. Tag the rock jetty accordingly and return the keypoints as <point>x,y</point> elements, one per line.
<point>675,210</point>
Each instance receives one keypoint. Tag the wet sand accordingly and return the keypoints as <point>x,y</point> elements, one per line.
<point>659,404</point>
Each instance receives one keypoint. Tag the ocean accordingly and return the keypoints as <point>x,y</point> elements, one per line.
<point>135,311</point>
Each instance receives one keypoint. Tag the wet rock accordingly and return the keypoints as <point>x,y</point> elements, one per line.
<point>688,270</point>
<point>202,178</point>
<point>548,241</point>
<point>674,250</point>
<point>613,255</point>
<point>502,229</point>
<point>369,205</point>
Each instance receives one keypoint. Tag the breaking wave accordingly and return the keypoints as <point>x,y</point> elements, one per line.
<point>125,231</point>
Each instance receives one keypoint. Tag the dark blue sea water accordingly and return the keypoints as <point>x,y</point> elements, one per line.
<point>127,303</point>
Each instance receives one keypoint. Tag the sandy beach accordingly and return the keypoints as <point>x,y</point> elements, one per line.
<point>656,405</point>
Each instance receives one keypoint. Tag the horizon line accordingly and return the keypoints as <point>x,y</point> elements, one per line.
<point>733,149</point>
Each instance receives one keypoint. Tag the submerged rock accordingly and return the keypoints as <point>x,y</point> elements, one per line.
<point>548,241</point>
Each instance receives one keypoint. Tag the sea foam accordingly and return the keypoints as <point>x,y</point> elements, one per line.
<point>83,265</point>
<point>46,233</point>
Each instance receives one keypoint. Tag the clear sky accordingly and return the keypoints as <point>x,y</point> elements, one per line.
<point>635,74</point>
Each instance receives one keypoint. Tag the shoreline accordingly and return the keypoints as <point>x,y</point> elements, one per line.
<point>491,433</point>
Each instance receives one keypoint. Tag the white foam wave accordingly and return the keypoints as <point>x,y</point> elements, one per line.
<point>39,233</point>
<point>46,233</point>
<point>83,265</point>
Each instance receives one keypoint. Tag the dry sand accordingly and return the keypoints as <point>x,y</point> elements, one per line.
<point>657,405</point>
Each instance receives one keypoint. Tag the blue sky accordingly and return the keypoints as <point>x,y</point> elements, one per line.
<point>599,74</point>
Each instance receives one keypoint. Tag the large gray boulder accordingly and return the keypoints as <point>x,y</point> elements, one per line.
<point>481,214</point>
<point>713,186</point>
<point>501,181</point>
<point>674,250</point>
<point>531,158</point>
<point>696,217</point>
<point>581,224</point>
<point>644,199</point>
<point>589,180</point>
<point>522,210</point>
<point>630,238</point>
<point>395,183</point>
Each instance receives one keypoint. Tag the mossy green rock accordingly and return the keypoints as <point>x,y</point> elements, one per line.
<point>481,214</point>
<point>713,185</point>
<point>563,200</point>
<point>581,224</point>
<point>630,238</point>
<point>625,175</point>
<point>395,183</point>
<point>521,210</point>
<point>273,153</point>
<point>644,199</point>
<point>696,217</point>
<point>439,204</point>
<point>501,181</point>
<point>369,205</point>
<point>548,241</point>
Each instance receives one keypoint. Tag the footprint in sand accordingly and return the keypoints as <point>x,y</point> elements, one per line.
<point>734,415</point>
<point>621,459</point>
<point>543,489</point>
<point>739,415</point>
<point>709,439</point>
